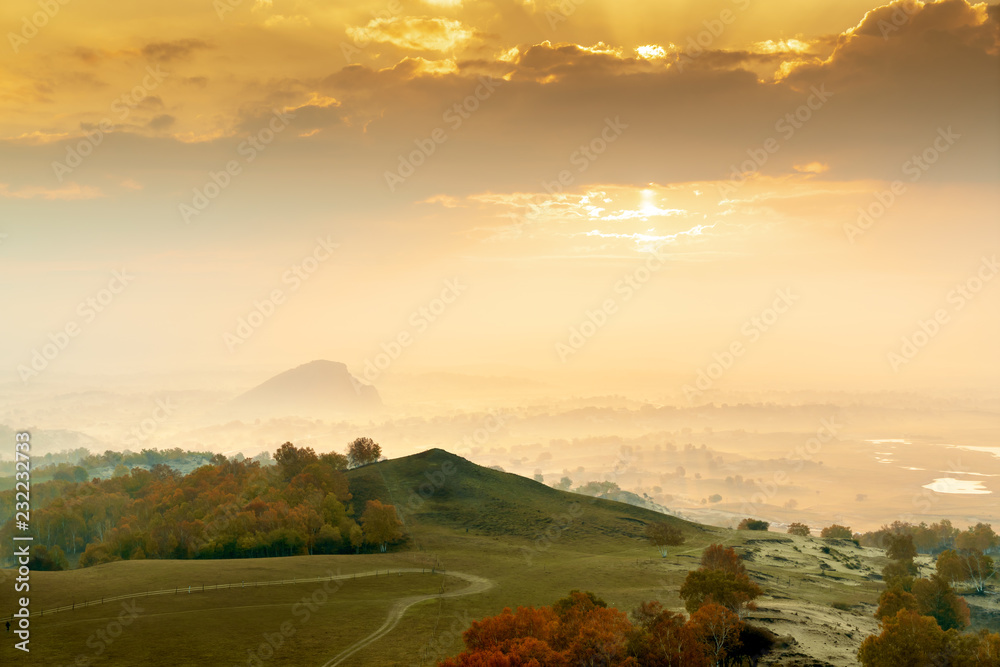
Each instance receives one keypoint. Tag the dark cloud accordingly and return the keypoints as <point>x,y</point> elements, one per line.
<point>167,51</point>
<point>161,122</point>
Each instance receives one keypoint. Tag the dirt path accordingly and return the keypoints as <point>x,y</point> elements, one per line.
<point>477,585</point>
<point>180,590</point>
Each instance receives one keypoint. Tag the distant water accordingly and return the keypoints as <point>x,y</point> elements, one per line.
<point>949,485</point>
<point>959,486</point>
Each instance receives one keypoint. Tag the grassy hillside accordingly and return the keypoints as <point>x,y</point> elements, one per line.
<point>439,489</point>
<point>533,543</point>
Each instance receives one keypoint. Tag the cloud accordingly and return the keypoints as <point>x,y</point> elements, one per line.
<point>69,191</point>
<point>161,122</point>
<point>414,33</point>
<point>167,51</point>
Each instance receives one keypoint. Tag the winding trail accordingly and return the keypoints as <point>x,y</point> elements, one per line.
<point>477,585</point>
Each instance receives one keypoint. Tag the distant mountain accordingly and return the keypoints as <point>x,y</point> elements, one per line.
<point>317,388</point>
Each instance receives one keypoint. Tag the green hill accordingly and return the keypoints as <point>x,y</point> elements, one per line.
<point>438,489</point>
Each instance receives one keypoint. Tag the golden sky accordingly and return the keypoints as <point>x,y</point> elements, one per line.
<point>676,166</point>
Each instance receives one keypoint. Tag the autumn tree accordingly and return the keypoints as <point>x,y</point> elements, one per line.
<point>381,524</point>
<point>335,460</point>
<point>725,559</point>
<point>980,537</point>
<point>935,598</point>
<point>950,565</point>
<point>906,639</point>
<point>511,638</point>
<point>292,460</point>
<point>967,565</point>
<point>363,451</point>
<point>590,632</point>
<point>665,638</point>
<point>800,529</point>
<point>836,531</point>
<point>892,601</point>
<point>662,535</point>
<point>900,547</point>
<point>702,586</point>
<point>719,629</point>
<point>721,579</point>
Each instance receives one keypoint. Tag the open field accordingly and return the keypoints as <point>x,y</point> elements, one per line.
<point>533,543</point>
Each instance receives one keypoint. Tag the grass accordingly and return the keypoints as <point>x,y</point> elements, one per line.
<point>472,520</point>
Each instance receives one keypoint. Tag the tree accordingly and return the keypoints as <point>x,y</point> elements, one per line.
<point>511,638</point>
<point>662,637</point>
<point>900,547</point>
<point>335,460</point>
<point>936,598</point>
<point>950,565</point>
<point>564,484</point>
<point>966,565</point>
<point>702,586</point>
<point>363,451</point>
<point>836,531</point>
<point>977,538</point>
<point>719,628</point>
<point>754,643</point>
<point>380,524</point>
<point>292,460</point>
<point>800,529</point>
<point>725,559</point>
<point>591,633</point>
<point>892,601</point>
<point>753,524</point>
<point>356,537</point>
<point>45,559</point>
<point>662,535</point>
<point>907,640</point>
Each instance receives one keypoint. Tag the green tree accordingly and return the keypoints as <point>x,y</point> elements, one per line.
<point>800,529</point>
<point>662,535</point>
<point>836,531</point>
<point>380,524</point>
<point>753,524</point>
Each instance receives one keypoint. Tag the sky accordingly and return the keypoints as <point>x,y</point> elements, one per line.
<point>734,193</point>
